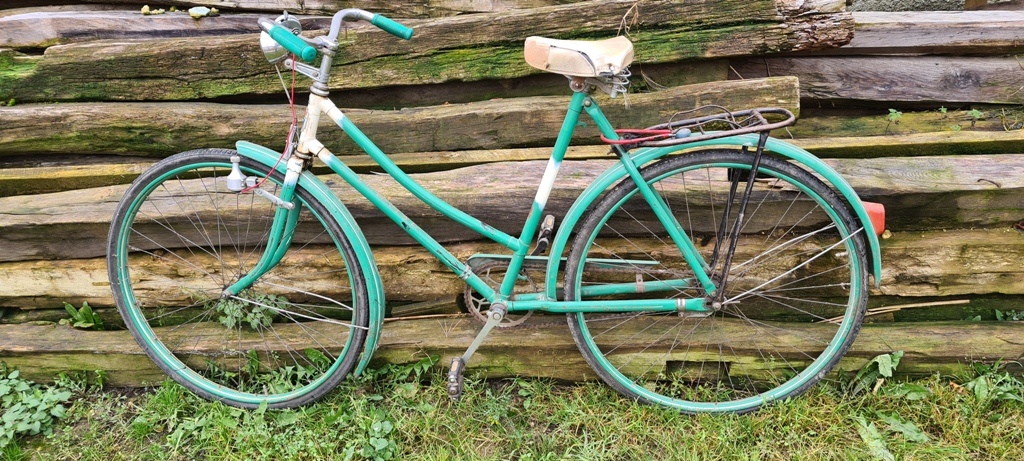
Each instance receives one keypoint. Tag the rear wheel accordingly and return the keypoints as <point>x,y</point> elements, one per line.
<point>792,303</point>
<point>180,237</point>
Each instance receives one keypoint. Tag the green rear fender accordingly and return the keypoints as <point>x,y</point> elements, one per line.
<point>644,156</point>
<point>351,230</point>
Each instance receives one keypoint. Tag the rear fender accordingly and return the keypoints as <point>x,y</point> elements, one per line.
<point>616,173</point>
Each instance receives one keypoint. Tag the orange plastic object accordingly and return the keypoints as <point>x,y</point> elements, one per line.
<point>876,212</point>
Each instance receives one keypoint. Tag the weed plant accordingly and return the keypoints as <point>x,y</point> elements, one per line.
<point>403,412</point>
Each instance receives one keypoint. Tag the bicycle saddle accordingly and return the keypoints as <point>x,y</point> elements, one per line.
<point>579,58</point>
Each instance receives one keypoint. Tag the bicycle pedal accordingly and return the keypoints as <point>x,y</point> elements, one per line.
<point>544,235</point>
<point>455,381</point>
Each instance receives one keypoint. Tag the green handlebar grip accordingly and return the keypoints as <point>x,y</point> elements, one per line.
<point>391,27</point>
<point>292,43</point>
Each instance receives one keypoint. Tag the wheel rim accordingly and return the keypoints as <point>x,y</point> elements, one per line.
<point>652,389</point>
<point>267,315</point>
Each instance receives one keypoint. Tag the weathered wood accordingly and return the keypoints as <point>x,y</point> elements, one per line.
<point>40,352</point>
<point>899,309</point>
<point>919,193</point>
<point>955,262</point>
<point>935,32</point>
<point>112,319</point>
<point>409,8</point>
<point>44,29</point>
<point>915,263</point>
<point>16,7</point>
<point>941,192</point>
<point>164,128</point>
<point>993,79</point>
<point>69,175</point>
<point>945,308</point>
<point>82,172</point>
<point>543,84</point>
<point>464,48</point>
<point>396,9</point>
<point>21,177</point>
<point>941,143</point>
<point>818,123</point>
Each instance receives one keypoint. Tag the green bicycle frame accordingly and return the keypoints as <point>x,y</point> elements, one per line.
<point>519,246</point>
<point>284,222</point>
<point>546,301</point>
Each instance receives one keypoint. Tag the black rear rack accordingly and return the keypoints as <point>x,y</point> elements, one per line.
<point>720,124</point>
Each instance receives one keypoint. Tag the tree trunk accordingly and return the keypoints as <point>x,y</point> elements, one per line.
<point>935,32</point>
<point>914,263</point>
<point>159,129</point>
<point>547,351</point>
<point>919,193</point>
<point>464,48</point>
<point>392,8</point>
<point>934,79</point>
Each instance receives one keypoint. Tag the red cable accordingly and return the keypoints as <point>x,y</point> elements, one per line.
<point>640,136</point>
<point>291,131</point>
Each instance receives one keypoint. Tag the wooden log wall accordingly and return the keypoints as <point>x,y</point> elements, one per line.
<point>924,59</point>
<point>95,92</point>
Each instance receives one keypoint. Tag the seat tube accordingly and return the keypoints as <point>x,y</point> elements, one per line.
<point>547,183</point>
<point>657,204</point>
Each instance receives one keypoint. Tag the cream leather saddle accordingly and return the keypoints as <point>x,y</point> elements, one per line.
<point>579,58</point>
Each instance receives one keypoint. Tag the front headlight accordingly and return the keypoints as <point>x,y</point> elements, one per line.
<point>274,52</point>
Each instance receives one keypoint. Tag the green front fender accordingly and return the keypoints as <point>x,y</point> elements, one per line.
<point>351,230</point>
<point>644,156</point>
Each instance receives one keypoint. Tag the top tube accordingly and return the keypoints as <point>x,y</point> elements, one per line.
<point>519,246</point>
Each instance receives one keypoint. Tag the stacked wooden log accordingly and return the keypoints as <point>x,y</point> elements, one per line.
<point>97,92</point>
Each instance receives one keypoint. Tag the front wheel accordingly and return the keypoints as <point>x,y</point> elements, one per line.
<point>179,238</point>
<point>794,293</point>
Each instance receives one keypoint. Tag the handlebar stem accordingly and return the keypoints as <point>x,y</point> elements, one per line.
<point>330,44</point>
<point>348,14</point>
<point>327,45</point>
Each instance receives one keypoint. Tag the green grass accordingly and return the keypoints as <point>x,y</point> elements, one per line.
<point>400,413</point>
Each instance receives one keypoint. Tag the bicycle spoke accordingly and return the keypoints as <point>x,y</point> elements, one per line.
<point>794,261</point>
<point>287,338</point>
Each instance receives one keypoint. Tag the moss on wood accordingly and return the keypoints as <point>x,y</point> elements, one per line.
<point>40,352</point>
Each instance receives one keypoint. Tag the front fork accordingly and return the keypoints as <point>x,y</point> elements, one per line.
<point>282,230</point>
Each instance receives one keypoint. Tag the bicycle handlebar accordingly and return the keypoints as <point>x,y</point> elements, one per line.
<point>306,52</point>
<point>392,27</point>
<point>292,43</point>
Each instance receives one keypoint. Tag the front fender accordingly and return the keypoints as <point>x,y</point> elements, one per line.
<point>351,230</point>
<point>616,173</point>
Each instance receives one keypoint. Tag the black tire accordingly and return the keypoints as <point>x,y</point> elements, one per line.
<point>179,238</point>
<point>800,260</point>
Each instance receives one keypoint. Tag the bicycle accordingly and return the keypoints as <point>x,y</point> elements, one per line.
<point>694,272</point>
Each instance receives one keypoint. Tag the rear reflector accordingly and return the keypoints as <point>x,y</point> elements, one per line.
<point>876,212</point>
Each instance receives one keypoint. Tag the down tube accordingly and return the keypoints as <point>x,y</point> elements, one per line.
<point>404,222</point>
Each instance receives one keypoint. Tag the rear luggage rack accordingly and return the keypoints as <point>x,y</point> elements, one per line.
<point>720,124</point>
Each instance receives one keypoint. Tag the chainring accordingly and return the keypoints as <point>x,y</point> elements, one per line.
<point>492,273</point>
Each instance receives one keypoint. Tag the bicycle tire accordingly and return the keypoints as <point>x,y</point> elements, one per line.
<point>179,238</point>
<point>800,260</point>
